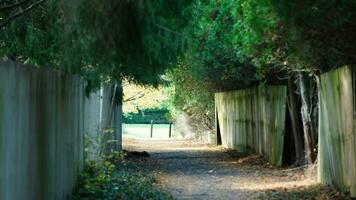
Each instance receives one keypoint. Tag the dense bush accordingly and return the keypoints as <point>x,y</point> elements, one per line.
<point>115,179</point>
<point>158,115</point>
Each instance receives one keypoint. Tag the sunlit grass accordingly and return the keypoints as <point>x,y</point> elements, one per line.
<point>160,131</point>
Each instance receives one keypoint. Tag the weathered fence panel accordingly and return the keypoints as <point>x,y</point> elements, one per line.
<point>92,108</point>
<point>103,122</point>
<point>41,132</point>
<point>337,141</point>
<point>110,120</point>
<point>253,120</point>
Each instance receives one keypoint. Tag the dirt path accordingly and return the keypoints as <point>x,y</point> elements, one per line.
<point>196,171</point>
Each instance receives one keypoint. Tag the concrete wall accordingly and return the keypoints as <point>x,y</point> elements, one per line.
<point>337,131</point>
<point>41,132</point>
<point>253,120</point>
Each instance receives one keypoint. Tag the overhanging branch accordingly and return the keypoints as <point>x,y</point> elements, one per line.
<point>135,97</point>
<point>20,13</point>
<point>13,5</point>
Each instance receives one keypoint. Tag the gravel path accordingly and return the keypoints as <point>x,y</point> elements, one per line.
<point>197,171</point>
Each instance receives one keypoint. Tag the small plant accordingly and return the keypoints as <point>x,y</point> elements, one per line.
<point>115,178</point>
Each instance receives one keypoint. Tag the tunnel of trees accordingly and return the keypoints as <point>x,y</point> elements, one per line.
<point>194,47</point>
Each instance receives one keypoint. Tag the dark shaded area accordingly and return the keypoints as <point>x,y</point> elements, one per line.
<point>135,154</point>
<point>218,134</point>
<point>303,192</point>
<point>289,151</point>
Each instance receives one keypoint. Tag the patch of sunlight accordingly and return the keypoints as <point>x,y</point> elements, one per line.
<point>186,148</point>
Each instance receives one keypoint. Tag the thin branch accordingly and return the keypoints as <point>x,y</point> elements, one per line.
<point>296,168</point>
<point>167,29</point>
<point>14,5</point>
<point>22,12</point>
<point>135,97</point>
<point>5,2</point>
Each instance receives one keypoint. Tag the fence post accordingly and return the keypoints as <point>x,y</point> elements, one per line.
<point>151,128</point>
<point>170,129</point>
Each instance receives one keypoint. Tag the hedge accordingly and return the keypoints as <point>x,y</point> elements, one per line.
<point>159,116</point>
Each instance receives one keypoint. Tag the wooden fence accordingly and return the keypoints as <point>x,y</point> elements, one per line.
<point>337,136</point>
<point>44,115</point>
<point>41,132</point>
<point>102,123</point>
<point>253,120</point>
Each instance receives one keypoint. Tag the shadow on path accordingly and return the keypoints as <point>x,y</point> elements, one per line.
<point>188,170</point>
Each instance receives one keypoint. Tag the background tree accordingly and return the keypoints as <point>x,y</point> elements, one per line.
<point>12,9</point>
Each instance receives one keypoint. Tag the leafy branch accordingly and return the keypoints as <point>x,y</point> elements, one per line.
<point>8,5</point>
<point>20,12</point>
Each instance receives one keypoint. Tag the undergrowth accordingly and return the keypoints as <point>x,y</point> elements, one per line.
<point>115,178</point>
<point>317,192</point>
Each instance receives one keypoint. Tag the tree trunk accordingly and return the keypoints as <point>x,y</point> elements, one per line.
<point>307,94</point>
<point>294,113</point>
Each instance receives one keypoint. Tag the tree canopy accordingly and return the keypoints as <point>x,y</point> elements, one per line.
<point>237,43</point>
<point>218,45</point>
<point>234,44</point>
<point>101,40</point>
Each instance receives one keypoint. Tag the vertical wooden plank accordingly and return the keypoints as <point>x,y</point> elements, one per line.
<point>253,120</point>
<point>346,122</point>
<point>337,130</point>
<point>353,166</point>
<point>216,122</point>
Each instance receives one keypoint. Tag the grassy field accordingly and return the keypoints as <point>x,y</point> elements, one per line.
<point>160,131</point>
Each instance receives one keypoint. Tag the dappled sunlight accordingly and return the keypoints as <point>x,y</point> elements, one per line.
<point>264,183</point>
<point>186,148</point>
<point>189,170</point>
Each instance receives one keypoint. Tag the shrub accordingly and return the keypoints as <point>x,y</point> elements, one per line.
<point>114,178</point>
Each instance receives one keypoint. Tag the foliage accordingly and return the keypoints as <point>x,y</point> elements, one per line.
<point>144,116</point>
<point>137,97</point>
<point>31,38</point>
<point>232,43</point>
<point>115,178</point>
<point>135,38</point>
<point>212,55</point>
<point>238,43</point>
<point>100,40</point>
<point>320,33</point>
<point>224,37</point>
<point>191,97</point>
<point>10,9</point>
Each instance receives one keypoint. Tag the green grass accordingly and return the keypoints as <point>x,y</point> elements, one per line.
<point>160,131</point>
